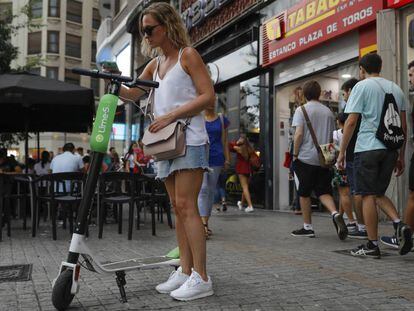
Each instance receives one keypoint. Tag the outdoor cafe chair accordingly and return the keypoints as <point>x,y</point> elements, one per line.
<point>116,188</point>
<point>17,187</point>
<point>153,193</point>
<point>65,189</point>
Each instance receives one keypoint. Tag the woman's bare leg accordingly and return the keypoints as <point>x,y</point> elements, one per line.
<point>187,188</point>
<point>244,181</point>
<point>186,257</point>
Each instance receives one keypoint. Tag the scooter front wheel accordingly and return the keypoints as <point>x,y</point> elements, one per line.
<point>61,295</point>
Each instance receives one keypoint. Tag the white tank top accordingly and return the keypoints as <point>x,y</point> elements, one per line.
<point>176,89</point>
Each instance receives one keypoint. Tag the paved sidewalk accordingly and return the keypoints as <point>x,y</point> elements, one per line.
<point>254,262</point>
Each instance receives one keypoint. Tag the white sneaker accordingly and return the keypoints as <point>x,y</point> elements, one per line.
<point>249,209</point>
<point>175,280</point>
<point>240,205</point>
<point>194,288</point>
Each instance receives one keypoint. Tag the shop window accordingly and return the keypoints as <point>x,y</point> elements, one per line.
<point>35,71</point>
<point>74,11</point>
<point>93,52</point>
<point>52,72</point>
<point>71,77</point>
<point>34,43</point>
<point>53,42</point>
<point>237,62</point>
<point>96,19</point>
<point>36,8</point>
<point>6,12</point>
<point>73,46</point>
<point>289,98</point>
<point>54,8</point>
<point>250,106</point>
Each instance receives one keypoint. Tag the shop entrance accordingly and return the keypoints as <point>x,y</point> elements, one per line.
<point>289,97</point>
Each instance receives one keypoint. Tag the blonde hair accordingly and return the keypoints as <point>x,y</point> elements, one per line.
<point>167,16</point>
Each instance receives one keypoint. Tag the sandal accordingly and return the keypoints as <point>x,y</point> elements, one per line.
<point>208,232</point>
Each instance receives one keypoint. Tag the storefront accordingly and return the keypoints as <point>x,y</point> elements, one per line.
<point>314,40</point>
<point>400,20</point>
<point>226,34</point>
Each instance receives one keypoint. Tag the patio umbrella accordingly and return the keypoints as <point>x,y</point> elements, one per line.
<point>37,104</point>
<point>31,103</point>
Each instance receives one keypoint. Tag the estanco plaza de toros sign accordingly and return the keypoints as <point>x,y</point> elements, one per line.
<point>312,22</point>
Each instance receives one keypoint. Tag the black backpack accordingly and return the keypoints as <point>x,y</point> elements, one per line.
<point>390,131</point>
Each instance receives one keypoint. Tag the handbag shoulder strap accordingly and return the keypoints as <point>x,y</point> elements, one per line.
<point>310,127</point>
<point>222,127</point>
<point>150,99</point>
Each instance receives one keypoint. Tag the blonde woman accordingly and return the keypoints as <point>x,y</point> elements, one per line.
<point>185,91</point>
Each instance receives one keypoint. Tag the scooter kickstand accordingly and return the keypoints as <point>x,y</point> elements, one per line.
<point>120,281</point>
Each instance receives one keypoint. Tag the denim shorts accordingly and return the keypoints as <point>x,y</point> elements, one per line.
<point>195,157</point>
<point>373,170</point>
<point>351,176</point>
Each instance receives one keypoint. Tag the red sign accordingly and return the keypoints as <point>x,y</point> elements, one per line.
<point>313,22</point>
<point>398,3</point>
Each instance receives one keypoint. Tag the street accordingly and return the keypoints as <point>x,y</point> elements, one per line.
<point>254,262</point>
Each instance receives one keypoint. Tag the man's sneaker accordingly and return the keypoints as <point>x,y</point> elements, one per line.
<point>367,250</point>
<point>303,232</point>
<point>194,288</point>
<point>390,241</point>
<point>224,207</point>
<point>352,228</point>
<point>405,239</point>
<point>360,235</point>
<point>240,205</point>
<point>340,226</point>
<point>249,209</point>
<point>175,280</point>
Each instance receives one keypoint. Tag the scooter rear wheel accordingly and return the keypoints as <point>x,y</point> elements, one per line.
<point>61,296</point>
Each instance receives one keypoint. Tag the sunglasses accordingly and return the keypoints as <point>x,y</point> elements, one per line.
<point>147,30</point>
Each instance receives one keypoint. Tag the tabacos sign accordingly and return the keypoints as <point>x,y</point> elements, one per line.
<point>398,3</point>
<point>199,10</point>
<point>311,23</point>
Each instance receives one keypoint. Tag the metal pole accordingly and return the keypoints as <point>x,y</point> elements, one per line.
<point>88,194</point>
<point>38,146</point>
<point>26,151</point>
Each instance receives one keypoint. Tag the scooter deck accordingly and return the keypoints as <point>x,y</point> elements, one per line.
<point>141,263</point>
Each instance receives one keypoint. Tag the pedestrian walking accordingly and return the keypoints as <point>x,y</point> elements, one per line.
<point>379,148</point>
<point>314,119</point>
<point>393,241</point>
<point>361,232</point>
<point>219,158</point>
<point>243,149</point>
<point>130,162</point>
<point>341,180</point>
<point>185,90</point>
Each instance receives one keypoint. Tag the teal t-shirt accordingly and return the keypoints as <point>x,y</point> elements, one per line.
<point>367,98</point>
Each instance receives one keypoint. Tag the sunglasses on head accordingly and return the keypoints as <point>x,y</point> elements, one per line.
<point>147,30</point>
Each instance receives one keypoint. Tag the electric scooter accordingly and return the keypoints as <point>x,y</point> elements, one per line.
<point>66,284</point>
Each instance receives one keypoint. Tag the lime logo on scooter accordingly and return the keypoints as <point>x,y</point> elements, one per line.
<point>102,127</point>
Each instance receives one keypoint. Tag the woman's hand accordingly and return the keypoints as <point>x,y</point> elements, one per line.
<point>161,122</point>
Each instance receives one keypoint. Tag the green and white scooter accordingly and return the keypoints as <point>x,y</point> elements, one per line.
<point>66,284</point>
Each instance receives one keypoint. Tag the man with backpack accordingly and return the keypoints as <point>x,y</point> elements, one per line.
<point>379,148</point>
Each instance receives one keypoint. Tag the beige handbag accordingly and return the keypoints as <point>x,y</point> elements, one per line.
<point>168,143</point>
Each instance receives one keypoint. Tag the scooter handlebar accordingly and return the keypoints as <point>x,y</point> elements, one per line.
<point>110,76</point>
<point>147,83</point>
<point>103,75</point>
